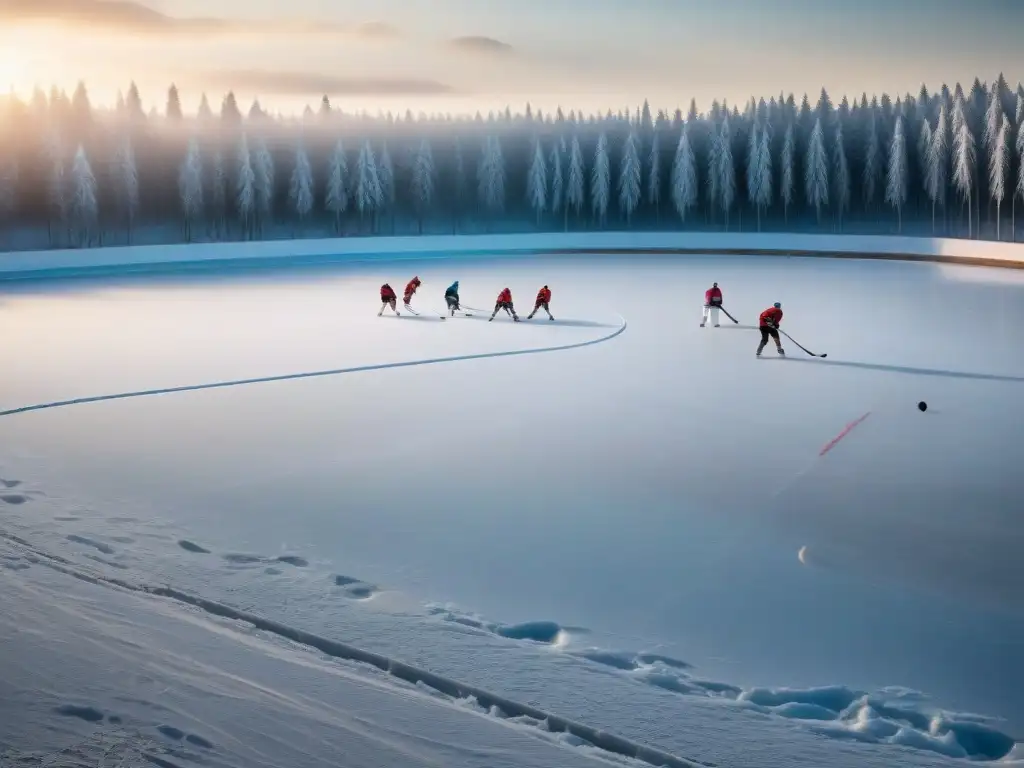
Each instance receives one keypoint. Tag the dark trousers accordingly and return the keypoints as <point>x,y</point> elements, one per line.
<point>540,305</point>
<point>506,305</point>
<point>453,301</point>
<point>766,332</point>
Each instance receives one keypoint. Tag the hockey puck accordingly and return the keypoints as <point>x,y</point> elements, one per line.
<point>922,406</point>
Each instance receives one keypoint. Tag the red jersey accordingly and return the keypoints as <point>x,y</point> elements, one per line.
<point>410,289</point>
<point>771,315</point>
<point>543,296</point>
<point>505,297</point>
<point>713,296</point>
<point>387,293</point>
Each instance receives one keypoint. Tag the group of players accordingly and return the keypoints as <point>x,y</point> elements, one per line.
<point>389,298</point>
<point>768,321</point>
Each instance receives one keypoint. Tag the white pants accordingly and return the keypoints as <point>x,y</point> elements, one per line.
<point>713,312</point>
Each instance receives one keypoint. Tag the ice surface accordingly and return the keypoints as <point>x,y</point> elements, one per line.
<point>608,533</point>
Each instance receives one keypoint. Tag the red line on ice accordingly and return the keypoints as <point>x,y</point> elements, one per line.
<point>846,430</point>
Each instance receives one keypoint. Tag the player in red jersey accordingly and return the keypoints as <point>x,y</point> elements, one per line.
<point>769,325</point>
<point>712,303</point>
<point>504,302</point>
<point>388,298</point>
<point>543,300</point>
<point>410,289</point>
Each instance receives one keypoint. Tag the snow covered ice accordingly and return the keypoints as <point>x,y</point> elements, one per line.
<point>643,536</point>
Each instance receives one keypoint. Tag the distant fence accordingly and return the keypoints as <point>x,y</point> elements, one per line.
<point>56,263</point>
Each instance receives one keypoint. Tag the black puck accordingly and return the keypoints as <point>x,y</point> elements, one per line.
<point>922,406</point>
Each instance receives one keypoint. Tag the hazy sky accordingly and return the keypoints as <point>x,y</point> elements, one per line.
<point>460,55</point>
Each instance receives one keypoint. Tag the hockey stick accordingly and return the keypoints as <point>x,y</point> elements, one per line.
<point>805,349</point>
<point>733,318</point>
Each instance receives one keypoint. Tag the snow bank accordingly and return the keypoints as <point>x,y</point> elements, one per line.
<point>52,262</point>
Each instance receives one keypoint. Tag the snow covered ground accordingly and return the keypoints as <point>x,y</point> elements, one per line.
<point>644,536</point>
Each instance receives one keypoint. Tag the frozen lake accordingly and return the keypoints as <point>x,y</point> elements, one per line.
<point>640,534</point>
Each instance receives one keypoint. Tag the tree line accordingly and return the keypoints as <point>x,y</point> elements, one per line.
<point>947,163</point>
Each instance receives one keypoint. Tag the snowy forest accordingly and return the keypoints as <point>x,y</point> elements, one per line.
<point>948,163</point>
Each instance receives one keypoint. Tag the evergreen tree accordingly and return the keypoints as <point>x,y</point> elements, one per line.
<point>245,187</point>
<point>263,170</point>
<point>872,159</point>
<point>537,181</point>
<point>423,181</point>
<point>630,177</point>
<point>896,177</point>
<point>924,143</point>
<point>190,187</point>
<point>574,195</point>
<point>714,168</point>
<point>174,104</point>
<point>219,192</point>
<point>816,170</point>
<point>81,110</point>
<point>84,202</point>
<point>1019,146</point>
<point>999,169</point>
<point>684,175</point>
<point>841,176</point>
<point>937,167</point>
<point>57,184</point>
<point>654,175</point>
<point>460,184</point>
<point>8,186</point>
<point>336,193</point>
<point>963,156</point>
<point>368,194</point>
<point>759,171</point>
<point>229,111</point>
<point>386,171</point>
<point>300,189</point>
<point>558,181</point>
<point>787,183</point>
<point>600,181</point>
<point>1019,191</point>
<point>726,170</point>
<point>133,105</point>
<point>205,114</point>
<point>491,176</point>
<point>125,180</point>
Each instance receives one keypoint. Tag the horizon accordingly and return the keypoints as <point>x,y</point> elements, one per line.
<point>381,56</point>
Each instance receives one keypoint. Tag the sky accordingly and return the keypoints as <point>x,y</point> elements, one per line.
<point>466,55</point>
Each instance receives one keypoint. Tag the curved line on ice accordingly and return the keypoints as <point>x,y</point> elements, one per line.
<point>312,374</point>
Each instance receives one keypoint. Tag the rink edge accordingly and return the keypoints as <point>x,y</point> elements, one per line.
<point>282,254</point>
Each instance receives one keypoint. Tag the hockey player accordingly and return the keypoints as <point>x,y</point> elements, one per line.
<point>410,289</point>
<point>451,297</point>
<point>712,303</point>
<point>388,298</point>
<point>543,300</point>
<point>504,302</point>
<point>769,323</point>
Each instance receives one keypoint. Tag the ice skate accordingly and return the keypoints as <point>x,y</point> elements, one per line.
<point>718,325</point>
<point>782,352</point>
<point>702,325</point>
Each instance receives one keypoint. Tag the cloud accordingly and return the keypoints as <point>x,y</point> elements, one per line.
<point>379,30</point>
<point>479,44</point>
<point>314,83</point>
<point>135,18</point>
